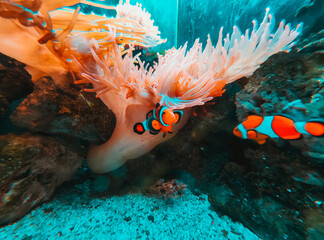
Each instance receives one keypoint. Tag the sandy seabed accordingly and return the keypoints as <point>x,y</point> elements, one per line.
<point>78,215</point>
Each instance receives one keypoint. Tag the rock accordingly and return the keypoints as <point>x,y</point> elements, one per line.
<point>3,105</point>
<point>167,189</point>
<point>315,223</point>
<point>267,195</point>
<point>31,168</point>
<point>69,111</point>
<point>15,82</point>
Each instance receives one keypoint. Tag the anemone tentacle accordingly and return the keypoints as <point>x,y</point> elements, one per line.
<point>55,33</point>
<point>182,79</point>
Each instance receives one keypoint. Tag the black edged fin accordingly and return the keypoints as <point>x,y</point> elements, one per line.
<point>154,132</point>
<point>149,114</point>
<point>139,128</point>
<point>180,114</point>
<point>157,105</point>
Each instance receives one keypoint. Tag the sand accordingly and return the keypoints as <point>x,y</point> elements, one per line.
<point>78,215</point>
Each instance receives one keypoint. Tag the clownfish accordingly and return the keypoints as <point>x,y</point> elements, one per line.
<point>260,128</point>
<point>160,119</point>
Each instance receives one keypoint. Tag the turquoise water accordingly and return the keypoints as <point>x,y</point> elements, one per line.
<point>182,21</point>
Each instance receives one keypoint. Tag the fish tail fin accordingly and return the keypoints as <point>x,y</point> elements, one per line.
<point>315,128</point>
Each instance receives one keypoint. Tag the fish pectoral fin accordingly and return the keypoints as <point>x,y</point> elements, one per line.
<point>154,132</point>
<point>179,115</point>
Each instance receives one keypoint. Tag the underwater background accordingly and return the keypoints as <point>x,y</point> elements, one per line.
<point>205,182</point>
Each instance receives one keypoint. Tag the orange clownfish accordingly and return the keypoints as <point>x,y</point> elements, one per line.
<point>160,119</point>
<point>260,128</point>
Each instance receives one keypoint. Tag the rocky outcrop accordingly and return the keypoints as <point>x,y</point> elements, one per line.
<point>276,193</point>
<point>15,82</point>
<point>62,121</point>
<point>3,105</point>
<point>55,110</point>
<point>31,168</point>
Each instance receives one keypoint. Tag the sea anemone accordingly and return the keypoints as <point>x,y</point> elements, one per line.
<point>180,80</point>
<point>93,48</point>
<point>44,29</point>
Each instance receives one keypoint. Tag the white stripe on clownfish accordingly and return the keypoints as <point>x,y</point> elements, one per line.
<point>266,127</point>
<point>242,130</point>
<point>300,127</point>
